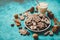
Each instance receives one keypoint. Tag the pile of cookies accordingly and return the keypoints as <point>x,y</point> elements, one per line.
<point>37,22</point>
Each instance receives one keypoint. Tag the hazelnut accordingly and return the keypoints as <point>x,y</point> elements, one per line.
<point>35,35</point>
<point>32,10</point>
<point>16,16</point>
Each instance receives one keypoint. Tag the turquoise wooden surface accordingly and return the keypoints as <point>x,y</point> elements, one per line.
<point>8,8</point>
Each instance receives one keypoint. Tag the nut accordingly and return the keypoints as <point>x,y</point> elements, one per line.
<point>55,28</point>
<point>35,35</point>
<point>16,16</point>
<point>17,22</point>
<point>32,10</point>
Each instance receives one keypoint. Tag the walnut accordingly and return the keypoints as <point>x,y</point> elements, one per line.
<point>55,28</point>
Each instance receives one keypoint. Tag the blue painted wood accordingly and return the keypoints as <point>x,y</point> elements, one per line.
<point>8,8</point>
